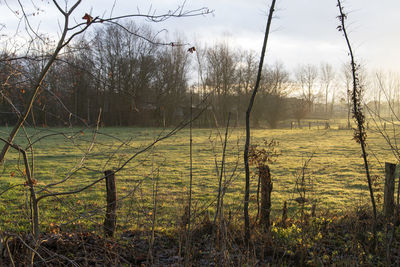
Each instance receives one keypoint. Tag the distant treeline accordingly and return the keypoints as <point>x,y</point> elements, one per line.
<point>138,82</point>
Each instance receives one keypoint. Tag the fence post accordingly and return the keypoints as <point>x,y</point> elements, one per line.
<point>388,204</point>
<point>284,214</point>
<point>327,125</point>
<point>266,189</point>
<point>110,221</point>
<point>313,208</point>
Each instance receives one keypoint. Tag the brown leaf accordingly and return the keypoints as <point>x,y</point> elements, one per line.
<point>88,18</point>
<point>192,49</point>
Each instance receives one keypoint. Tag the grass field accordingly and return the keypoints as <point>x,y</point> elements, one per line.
<point>335,175</point>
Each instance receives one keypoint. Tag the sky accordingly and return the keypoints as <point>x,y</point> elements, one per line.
<point>303,31</point>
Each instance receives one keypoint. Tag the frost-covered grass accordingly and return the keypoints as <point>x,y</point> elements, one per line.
<point>335,176</point>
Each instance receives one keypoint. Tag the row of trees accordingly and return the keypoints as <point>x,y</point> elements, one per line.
<point>124,75</point>
<point>135,81</point>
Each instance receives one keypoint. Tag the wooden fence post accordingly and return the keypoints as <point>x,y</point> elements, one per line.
<point>110,221</point>
<point>284,214</point>
<point>388,204</point>
<point>327,125</point>
<point>266,189</point>
<point>313,208</point>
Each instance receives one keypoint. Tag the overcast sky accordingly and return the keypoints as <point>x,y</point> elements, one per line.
<point>303,31</point>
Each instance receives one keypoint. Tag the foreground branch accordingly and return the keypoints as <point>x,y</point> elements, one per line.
<point>247,144</point>
<point>360,133</point>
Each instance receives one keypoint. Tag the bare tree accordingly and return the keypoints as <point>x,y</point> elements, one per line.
<point>11,88</point>
<point>246,75</point>
<point>125,68</point>
<point>171,84</point>
<point>327,77</point>
<point>386,93</point>
<point>306,77</point>
<point>274,88</point>
<point>221,69</point>
<point>300,108</point>
<point>347,82</point>
<point>247,72</point>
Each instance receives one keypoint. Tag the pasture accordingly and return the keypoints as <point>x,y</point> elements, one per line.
<point>334,177</point>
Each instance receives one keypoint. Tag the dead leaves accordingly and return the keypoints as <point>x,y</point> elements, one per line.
<point>88,18</point>
<point>34,182</point>
<point>192,49</point>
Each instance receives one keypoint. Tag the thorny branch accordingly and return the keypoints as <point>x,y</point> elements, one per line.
<point>360,133</point>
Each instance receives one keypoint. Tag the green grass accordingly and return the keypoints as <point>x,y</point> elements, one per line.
<point>336,178</point>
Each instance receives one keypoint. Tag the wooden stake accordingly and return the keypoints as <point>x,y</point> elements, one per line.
<point>388,204</point>
<point>110,222</point>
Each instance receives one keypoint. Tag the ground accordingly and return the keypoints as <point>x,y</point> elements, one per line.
<point>334,178</point>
